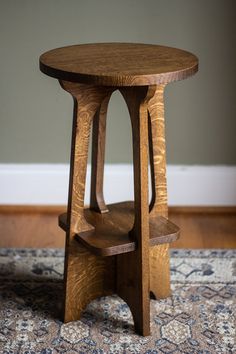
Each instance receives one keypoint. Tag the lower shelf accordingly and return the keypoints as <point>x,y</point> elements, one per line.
<point>111,234</point>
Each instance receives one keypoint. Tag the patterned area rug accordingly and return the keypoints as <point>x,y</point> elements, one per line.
<point>198,318</point>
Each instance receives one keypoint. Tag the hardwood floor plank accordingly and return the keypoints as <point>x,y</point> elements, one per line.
<point>38,227</point>
<point>205,230</point>
<point>30,230</point>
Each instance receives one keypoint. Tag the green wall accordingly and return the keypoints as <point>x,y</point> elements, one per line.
<point>35,113</point>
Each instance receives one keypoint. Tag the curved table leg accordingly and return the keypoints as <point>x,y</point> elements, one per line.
<point>159,255</point>
<point>133,267</point>
<point>97,201</point>
<point>86,275</point>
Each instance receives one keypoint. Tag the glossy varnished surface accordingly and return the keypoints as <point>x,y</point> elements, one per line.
<point>119,64</point>
<point>111,234</point>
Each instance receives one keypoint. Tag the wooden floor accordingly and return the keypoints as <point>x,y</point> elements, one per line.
<point>37,227</point>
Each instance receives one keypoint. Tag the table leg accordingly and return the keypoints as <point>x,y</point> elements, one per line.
<point>133,267</point>
<point>159,255</point>
<point>86,275</point>
<point>97,202</point>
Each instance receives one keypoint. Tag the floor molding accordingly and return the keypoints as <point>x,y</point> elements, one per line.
<point>47,184</point>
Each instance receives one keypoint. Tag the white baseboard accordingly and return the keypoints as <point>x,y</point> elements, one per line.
<point>47,184</point>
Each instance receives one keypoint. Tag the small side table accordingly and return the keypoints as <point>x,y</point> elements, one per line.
<point>120,248</point>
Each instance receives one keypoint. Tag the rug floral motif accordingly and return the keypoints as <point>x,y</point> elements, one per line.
<point>199,318</point>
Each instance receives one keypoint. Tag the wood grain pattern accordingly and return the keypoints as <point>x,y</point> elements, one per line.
<point>159,255</point>
<point>90,73</point>
<point>140,102</point>
<point>201,227</point>
<point>111,231</point>
<point>87,277</point>
<point>119,64</point>
<point>87,100</point>
<point>97,202</point>
<point>160,271</point>
<point>133,269</point>
<point>157,153</point>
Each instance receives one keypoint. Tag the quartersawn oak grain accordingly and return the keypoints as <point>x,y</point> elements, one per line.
<point>119,64</point>
<point>133,268</point>
<point>97,201</point>
<point>159,255</point>
<point>90,73</point>
<point>111,233</point>
<point>80,289</point>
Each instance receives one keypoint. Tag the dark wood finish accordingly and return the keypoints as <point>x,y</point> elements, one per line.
<point>119,64</point>
<point>80,290</point>
<point>86,277</point>
<point>133,269</point>
<point>87,100</point>
<point>90,73</point>
<point>157,153</point>
<point>37,226</point>
<point>111,233</point>
<point>159,256</point>
<point>97,202</point>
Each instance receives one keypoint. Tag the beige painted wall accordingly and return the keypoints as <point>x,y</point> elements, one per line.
<point>35,113</point>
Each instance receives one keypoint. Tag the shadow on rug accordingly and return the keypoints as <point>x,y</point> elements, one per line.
<point>198,318</point>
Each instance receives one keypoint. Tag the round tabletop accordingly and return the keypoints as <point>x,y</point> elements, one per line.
<point>119,64</point>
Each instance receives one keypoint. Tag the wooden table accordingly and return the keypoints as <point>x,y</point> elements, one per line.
<point>120,248</point>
